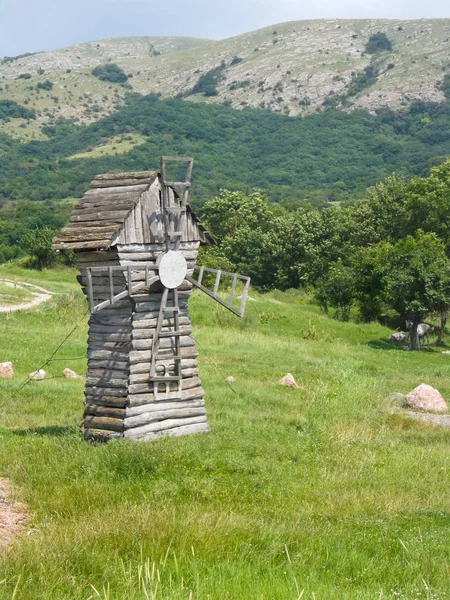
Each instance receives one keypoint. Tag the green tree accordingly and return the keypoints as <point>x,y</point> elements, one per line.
<point>337,290</point>
<point>38,244</point>
<point>411,276</point>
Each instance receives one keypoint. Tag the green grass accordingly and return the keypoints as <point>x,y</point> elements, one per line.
<point>13,294</point>
<point>318,492</point>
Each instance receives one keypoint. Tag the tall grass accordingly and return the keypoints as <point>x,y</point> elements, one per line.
<point>319,492</point>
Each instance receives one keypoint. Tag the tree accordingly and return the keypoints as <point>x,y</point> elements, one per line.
<point>337,290</point>
<point>110,72</point>
<point>377,43</point>
<point>411,276</point>
<point>38,243</point>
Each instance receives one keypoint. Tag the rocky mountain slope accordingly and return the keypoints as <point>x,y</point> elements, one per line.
<point>292,68</point>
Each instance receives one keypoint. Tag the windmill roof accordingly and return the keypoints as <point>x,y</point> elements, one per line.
<point>104,208</point>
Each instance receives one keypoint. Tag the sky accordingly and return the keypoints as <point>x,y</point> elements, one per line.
<point>35,25</point>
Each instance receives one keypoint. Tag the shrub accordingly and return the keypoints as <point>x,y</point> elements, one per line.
<point>45,85</point>
<point>110,72</point>
<point>378,42</point>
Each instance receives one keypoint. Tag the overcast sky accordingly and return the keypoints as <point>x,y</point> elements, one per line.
<point>33,25</point>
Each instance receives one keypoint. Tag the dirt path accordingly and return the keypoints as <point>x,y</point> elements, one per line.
<point>39,295</point>
<point>12,515</point>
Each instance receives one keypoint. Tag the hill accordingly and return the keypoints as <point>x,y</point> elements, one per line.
<point>321,490</point>
<point>291,68</point>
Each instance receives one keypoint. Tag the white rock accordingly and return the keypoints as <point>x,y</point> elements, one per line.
<point>426,398</point>
<point>289,381</point>
<point>70,374</point>
<point>231,379</point>
<point>37,375</point>
<point>6,370</point>
<point>446,352</point>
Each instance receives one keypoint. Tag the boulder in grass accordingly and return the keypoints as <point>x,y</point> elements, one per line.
<point>6,370</point>
<point>425,397</point>
<point>37,375</point>
<point>288,381</point>
<point>71,374</point>
<point>231,379</point>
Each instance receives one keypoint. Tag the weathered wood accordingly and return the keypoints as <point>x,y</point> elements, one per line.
<point>104,411</point>
<point>100,391</point>
<point>154,416</point>
<point>138,356</point>
<point>100,435</point>
<point>136,184</point>
<point>128,175</point>
<point>107,355</point>
<point>143,396</point>
<point>112,365</point>
<point>107,330</point>
<point>176,432</point>
<point>164,342</point>
<point>137,432</point>
<point>168,323</point>
<point>113,401</point>
<point>144,367</point>
<point>133,411</point>
<point>106,381</point>
<point>109,423</point>
<point>97,257</point>
<point>112,337</point>
<point>147,333</point>
<point>106,345</point>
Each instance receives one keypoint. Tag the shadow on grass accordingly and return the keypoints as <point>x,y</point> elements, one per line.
<point>384,344</point>
<point>51,431</point>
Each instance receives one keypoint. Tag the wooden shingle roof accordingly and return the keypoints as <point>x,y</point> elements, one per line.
<point>103,210</point>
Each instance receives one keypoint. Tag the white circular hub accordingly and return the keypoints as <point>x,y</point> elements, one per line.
<point>172,269</point>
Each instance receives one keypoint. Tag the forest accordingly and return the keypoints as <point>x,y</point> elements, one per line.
<point>292,202</point>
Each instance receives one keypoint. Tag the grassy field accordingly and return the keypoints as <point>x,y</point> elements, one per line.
<point>315,493</point>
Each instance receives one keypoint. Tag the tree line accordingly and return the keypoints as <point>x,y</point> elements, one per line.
<point>387,255</point>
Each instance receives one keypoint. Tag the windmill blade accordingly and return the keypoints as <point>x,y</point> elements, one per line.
<point>214,293</point>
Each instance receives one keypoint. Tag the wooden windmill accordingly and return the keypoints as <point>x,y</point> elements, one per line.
<point>136,241</point>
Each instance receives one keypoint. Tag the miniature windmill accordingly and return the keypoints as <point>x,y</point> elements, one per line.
<point>136,241</point>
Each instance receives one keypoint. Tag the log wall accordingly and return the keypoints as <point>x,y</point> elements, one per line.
<point>171,412</point>
<point>119,398</point>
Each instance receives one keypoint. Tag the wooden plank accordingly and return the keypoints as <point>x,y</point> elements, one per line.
<point>141,395</point>
<point>155,416</point>
<point>137,432</point>
<point>135,184</point>
<point>100,435</point>
<point>109,423</point>
<point>105,381</point>
<point>146,344</point>
<point>101,215</point>
<point>133,411</point>
<point>128,175</point>
<point>95,410</point>
<point>147,333</point>
<point>142,324</point>
<point>113,401</point>
<point>176,432</point>
<point>144,367</point>
<point>93,245</point>
<point>97,257</point>
<point>138,356</point>
<point>107,355</point>
<point>108,372</point>
<point>99,391</point>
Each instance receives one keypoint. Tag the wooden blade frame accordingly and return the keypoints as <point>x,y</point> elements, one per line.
<point>131,289</point>
<point>215,292</point>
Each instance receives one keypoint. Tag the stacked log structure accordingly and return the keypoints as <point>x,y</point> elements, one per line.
<point>120,399</point>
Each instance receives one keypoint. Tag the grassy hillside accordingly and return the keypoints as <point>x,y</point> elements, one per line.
<point>317,493</point>
<point>292,68</point>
